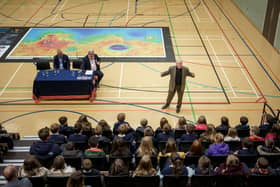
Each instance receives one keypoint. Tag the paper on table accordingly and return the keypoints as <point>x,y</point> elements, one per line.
<point>89,72</point>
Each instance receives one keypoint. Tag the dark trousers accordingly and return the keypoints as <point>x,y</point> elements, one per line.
<point>99,74</point>
<point>172,93</point>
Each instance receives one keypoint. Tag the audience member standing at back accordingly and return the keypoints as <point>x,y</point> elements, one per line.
<point>121,120</point>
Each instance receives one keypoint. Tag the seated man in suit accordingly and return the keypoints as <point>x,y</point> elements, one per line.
<point>92,62</point>
<point>61,61</point>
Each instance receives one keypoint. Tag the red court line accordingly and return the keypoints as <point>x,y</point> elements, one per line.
<point>256,51</point>
<point>35,12</point>
<point>229,42</point>
<point>197,63</point>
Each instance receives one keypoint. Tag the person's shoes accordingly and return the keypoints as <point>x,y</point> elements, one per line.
<point>165,106</point>
<point>178,110</point>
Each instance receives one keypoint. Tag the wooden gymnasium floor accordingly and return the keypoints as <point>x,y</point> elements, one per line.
<point>204,34</point>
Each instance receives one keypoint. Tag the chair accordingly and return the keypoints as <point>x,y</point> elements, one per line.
<point>274,160</point>
<point>147,181</point>
<point>138,136</point>
<point>161,146</point>
<point>162,161</point>
<point>184,146</point>
<point>36,181</point>
<point>73,161</point>
<point>257,143</point>
<point>217,160</point>
<point>81,145</point>
<point>249,160</point>
<point>93,181</point>
<point>99,163</point>
<point>105,146</point>
<point>179,133</point>
<point>171,181</point>
<point>76,64</point>
<point>108,134</point>
<point>205,144</point>
<point>191,160</point>
<point>55,181</point>
<point>223,131</point>
<point>199,132</point>
<point>202,181</point>
<point>261,181</point>
<point>153,159</point>
<point>230,181</point>
<point>263,132</point>
<point>42,64</point>
<point>234,145</point>
<point>113,181</point>
<point>243,133</point>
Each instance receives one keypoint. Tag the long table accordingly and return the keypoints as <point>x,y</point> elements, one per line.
<point>63,84</point>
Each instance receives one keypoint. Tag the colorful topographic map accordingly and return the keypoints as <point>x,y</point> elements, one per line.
<point>106,42</point>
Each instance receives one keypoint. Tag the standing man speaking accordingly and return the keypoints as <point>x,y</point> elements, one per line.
<point>177,83</point>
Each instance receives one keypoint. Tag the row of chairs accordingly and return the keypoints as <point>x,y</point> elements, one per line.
<point>44,64</point>
<point>167,181</point>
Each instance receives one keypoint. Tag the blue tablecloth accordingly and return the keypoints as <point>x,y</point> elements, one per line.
<point>62,83</point>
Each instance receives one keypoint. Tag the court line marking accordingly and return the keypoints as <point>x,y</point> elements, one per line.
<point>190,3</point>
<point>58,12</point>
<point>127,11</point>
<point>203,5</point>
<point>121,80</point>
<point>10,80</point>
<point>241,68</point>
<point>36,12</point>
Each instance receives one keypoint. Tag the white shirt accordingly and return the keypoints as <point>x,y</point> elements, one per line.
<point>93,64</point>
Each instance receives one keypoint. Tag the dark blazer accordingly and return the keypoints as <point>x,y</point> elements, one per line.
<point>77,138</point>
<point>57,138</point>
<point>86,63</point>
<point>44,150</point>
<point>188,137</point>
<point>65,61</point>
<point>162,137</point>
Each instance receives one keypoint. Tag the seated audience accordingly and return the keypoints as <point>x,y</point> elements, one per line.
<point>247,148</point>
<point>268,121</point>
<point>87,168</point>
<point>196,149</point>
<point>268,149</point>
<point>77,136</point>
<point>143,125</point>
<point>98,133</point>
<point>10,174</point>
<point>64,128</point>
<point>163,121</point>
<point>2,129</point>
<point>204,166</point>
<point>120,121</point>
<point>150,132</point>
<point>124,134</point>
<point>262,168</point>
<point>232,167</point>
<point>106,129</point>
<point>120,148</point>
<point>146,147</point>
<point>59,168</point>
<point>219,148</point>
<point>176,167</point>
<point>43,149</point>
<point>145,167</point>
<point>232,135</point>
<point>274,133</point>
<point>170,148</point>
<point>5,137</point>
<point>93,150</point>
<point>32,167</point>
<point>69,151</point>
<point>76,179</point>
<point>201,123</point>
<point>209,135</point>
<point>190,134</point>
<point>86,126</point>
<point>243,123</point>
<point>254,132</point>
<point>181,124</point>
<point>55,137</point>
<point>119,168</point>
<point>165,134</point>
<point>224,124</point>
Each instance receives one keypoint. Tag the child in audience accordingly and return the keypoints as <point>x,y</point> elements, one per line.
<point>196,149</point>
<point>165,134</point>
<point>145,167</point>
<point>124,133</point>
<point>87,168</point>
<point>120,148</point>
<point>56,137</point>
<point>106,129</point>
<point>268,121</point>
<point>70,151</point>
<point>181,124</point>
<point>119,168</point>
<point>219,148</point>
<point>204,166</point>
<point>78,136</point>
<point>247,148</point>
<point>170,148</point>
<point>59,168</point>
<point>121,120</point>
<point>254,132</point>
<point>162,122</point>
<point>201,123</point>
<point>32,167</point>
<point>176,166</point>
<point>76,179</point>
<point>262,168</point>
<point>98,133</point>
<point>143,125</point>
<point>232,167</point>
<point>86,126</point>
<point>64,129</point>
<point>269,148</point>
<point>224,124</point>
<point>243,124</point>
<point>146,147</point>
<point>232,135</point>
<point>209,135</point>
<point>274,133</point>
<point>190,134</point>
<point>93,151</point>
